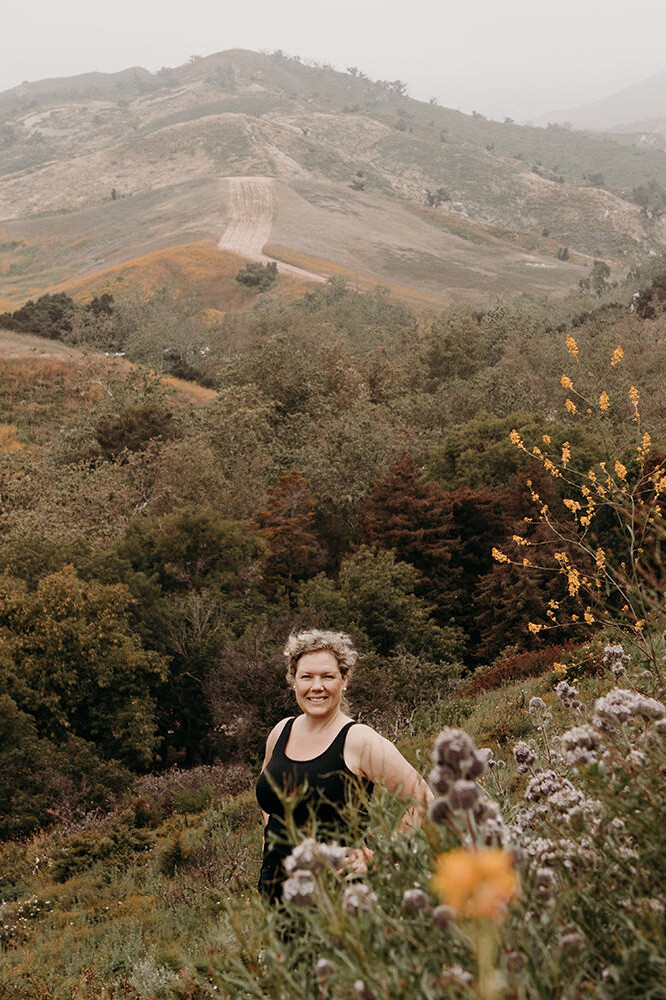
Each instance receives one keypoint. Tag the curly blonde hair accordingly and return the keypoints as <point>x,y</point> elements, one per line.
<point>314,640</point>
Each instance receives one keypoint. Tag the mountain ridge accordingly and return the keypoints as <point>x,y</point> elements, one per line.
<point>93,177</point>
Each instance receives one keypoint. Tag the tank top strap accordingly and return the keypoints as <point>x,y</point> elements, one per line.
<point>336,748</point>
<point>283,738</point>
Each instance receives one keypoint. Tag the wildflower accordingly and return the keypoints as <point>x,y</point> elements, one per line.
<point>588,617</point>
<point>566,382</point>
<point>454,748</point>
<point>490,827</point>
<point>566,453</point>
<point>534,628</point>
<point>565,692</point>
<point>439,811</point>
<point>543,785</point>
<point>415,901</point>
<point>573,580</point>
<point>536,705</point>
<point>443,916</point>
<point>572,505</point>
<point>622,706</point>
<point>312,856</point>
<point>515,438</point>
<point>519,540</point>
<point>476,884</point>
<point>581,745</point>
<point>357,898</point>
<point>604,401</point>
<point>499,556</point>
<point>620,470</point>
<point>571,943</point>
<point>572,346</point>
<point>546,880</point>
<point>299,889</point>
<point>362,990</point>
<point>615,659</point>
<point>514,961</point>
<point>455,975</point>
<point>324,969</point>
<point>524,756</point>
<point>546,439</point>
<point>570,406</point>
<point>463,795</point>
<point>618,354</point>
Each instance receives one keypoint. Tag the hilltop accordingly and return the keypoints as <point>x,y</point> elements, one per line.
<point>356,179</point>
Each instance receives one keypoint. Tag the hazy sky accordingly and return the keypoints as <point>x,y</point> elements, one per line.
<point>499,57</point>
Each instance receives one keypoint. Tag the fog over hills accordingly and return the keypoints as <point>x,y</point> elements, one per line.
<point>355,179</point>
<point>641,107</point>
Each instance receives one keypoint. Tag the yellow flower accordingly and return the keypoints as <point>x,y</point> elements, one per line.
<point>566,382</point>
<point>600,558</point>
<point>570,405</point>
<point>572,346</point>
<point>560,668</point>
<point>645,445</point>
<point>499,556</point>
<point>519,540</point>
<point>620,470</point>
<point>550,467</point>
<point>618,354</point>
<point>604,401</point>
<point>534,628</point>
<point>476,884</point>
<point>515,438</point>
<point>572,505</point>
<point>566,453</point>
<point>634,395</point>
<point>589,617</point>
<point>546,439</point>
<point>639,625</point>
<point>573,580</point>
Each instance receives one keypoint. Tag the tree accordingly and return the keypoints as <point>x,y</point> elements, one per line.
<point>294,551</point>
<point>598,279</point>
<point>413,517</point>
<point>69,659</point>
<point>258,275</point>
<point>374,597</point>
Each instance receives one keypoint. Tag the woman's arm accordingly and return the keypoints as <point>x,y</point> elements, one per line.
<point>372,756</point>
<point>270,747</point>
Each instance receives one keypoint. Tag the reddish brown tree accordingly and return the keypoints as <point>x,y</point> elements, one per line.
<point>295,552</point>
<point>412,516</point>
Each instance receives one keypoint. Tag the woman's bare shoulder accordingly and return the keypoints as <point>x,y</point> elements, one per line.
<point>361,739</point>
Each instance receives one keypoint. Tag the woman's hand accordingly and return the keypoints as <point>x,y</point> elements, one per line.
<point>358,859</point>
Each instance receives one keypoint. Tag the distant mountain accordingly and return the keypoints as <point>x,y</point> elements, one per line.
<point>641,107</point>
<point>267,157</point>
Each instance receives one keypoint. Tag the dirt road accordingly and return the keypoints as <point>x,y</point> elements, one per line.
<point>253,208</point>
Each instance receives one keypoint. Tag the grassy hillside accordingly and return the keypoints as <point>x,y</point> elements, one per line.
<point>103,172</point>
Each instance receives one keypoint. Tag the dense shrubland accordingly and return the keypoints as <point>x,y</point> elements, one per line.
<point>355,469</point>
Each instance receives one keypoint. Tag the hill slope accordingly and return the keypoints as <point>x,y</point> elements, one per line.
<point>100,169</point>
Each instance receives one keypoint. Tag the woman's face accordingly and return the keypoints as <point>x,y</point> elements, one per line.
<point>318,684</point>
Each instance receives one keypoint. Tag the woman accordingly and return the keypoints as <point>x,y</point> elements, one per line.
<point>319,761</point>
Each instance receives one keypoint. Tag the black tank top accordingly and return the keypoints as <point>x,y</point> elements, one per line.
<point>321,788</point>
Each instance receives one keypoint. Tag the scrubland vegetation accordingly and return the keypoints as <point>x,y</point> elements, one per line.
<point>476,496</point>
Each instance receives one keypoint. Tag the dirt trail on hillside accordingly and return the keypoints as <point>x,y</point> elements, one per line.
<point>253,208</point>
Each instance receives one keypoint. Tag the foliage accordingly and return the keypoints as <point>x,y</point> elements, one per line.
<point>557,901</point>
<point>70,661</point>
<point>612,529</point>
<point>258,275</point>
